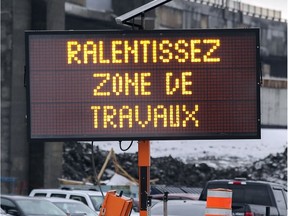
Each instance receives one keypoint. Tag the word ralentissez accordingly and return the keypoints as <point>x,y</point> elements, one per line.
<point>142,51</point>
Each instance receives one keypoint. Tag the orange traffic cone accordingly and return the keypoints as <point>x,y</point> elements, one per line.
<point>219,202</point>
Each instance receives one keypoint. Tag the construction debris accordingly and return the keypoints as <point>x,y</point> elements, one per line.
<point>164,170</point>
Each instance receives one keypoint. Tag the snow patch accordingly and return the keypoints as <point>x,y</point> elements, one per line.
<point>223,153</point>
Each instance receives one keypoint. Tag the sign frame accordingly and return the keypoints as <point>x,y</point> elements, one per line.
<point>119,136</point>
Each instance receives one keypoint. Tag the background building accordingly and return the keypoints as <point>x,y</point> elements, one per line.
<point>25,166</point>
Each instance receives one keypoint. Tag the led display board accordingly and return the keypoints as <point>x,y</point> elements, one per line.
<point>143,85</point>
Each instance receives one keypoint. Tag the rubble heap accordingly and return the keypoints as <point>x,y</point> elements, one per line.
<point>77,165</point>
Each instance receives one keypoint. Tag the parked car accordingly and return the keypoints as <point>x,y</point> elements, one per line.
<point>72,207</point>
<point>3,213</point>
<point>27,206</point>
<point>252,197</point>
<point>93,199</point>
<point>179,208</point>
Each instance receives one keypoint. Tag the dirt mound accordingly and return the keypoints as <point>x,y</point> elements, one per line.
<point>168,170</point>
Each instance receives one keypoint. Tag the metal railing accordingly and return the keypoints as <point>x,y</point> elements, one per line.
<point>247,9</point>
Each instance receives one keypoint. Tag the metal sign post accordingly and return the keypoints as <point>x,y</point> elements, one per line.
<point>165,206</point>
<point>144,175</point>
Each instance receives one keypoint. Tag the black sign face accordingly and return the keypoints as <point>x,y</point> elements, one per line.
<point>128,85</point>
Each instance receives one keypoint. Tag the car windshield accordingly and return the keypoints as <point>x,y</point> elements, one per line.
<point>97,201</point>
<point>75,208</point>
<point>253,194</point>
<point>39,207</point>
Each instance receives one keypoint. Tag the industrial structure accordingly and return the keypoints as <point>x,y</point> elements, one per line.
<point>27,165</point>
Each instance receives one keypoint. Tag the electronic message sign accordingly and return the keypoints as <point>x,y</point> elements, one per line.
<point>143,85</point>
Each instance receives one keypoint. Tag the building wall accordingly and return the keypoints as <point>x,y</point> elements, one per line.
<point>16,19</point>
<point>274,103</point>
<point>6,68</point>
<point>14,146</point>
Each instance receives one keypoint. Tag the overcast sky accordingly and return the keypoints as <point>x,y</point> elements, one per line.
<point>272,4</point>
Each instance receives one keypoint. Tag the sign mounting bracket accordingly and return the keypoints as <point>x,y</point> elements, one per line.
<point>125,19</point>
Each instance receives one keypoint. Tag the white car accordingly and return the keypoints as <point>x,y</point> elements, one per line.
<point>180,208</point>
<point>72,207</point>
<point>3,213</point>
<point>28,206</point>
<point>93,199</point>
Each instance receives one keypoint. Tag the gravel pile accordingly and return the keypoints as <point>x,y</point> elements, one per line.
<point>168,170</point>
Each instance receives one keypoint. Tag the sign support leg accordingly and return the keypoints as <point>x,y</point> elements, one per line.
<point>144,175</point>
